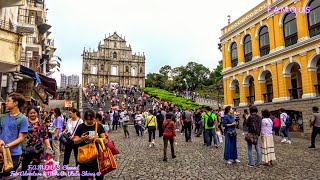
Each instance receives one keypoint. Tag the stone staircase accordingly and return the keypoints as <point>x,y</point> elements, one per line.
<point>108,103</point>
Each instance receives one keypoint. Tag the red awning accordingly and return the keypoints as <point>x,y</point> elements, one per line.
<point>50,84</point>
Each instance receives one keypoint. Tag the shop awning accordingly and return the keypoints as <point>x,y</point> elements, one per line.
<point>50,84</point>
<point>29,72</point>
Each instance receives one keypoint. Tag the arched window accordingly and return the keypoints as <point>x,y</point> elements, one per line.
<point>314,18</point>
<point>247,48</point>
<point>114,55</point>
<point>234,54</point>
<point>141,70</point>
<point>264,43</point>
<point>127,69</point>
<point>290,29</point>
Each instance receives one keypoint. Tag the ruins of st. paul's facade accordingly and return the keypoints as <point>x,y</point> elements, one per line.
<point>113,63</point>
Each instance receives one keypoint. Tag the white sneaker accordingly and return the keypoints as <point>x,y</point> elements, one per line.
<point>229,162</point>
<point>150,145</point>
<point>237,161</point>
<point>175,143</point>
<point>283,140</point>
<point>289,142</point>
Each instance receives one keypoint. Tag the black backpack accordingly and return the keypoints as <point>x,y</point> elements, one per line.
<point>210,122</point>
<point>184,115</point>
<point>289,121</point>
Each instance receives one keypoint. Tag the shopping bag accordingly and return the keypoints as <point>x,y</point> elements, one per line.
<point>220,137</point>
<point>105,159</point>
<point>7,160</point>
<point>112,147</point>
<point>50,167</point>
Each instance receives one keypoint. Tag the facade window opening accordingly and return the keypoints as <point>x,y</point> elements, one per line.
<point>290,29</point>
<point>133,72</point>
<point>115,44</point>
<point>247,48</point>
<point>114,55</point>
<point>86,66</point>
<point>141,70</point>
<point>102,67</point>
<point>127,69</point>
<point>114,70</point>
<point>94,69</point>
<point>234,54</point>
<point>314,18</point>
<point>264,43</point>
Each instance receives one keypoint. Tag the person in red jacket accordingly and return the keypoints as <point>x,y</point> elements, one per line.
<point>169,133</point>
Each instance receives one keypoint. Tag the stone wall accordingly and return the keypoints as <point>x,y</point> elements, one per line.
<point>302,105</point>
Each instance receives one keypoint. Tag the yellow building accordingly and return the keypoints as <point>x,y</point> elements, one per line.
<point>272,59</point>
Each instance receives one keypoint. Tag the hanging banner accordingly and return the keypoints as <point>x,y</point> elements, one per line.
<point>68,103</point>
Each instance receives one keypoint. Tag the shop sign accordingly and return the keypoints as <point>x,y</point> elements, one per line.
<point>39,89</point>
<point>25,87</point>
<point>68,103</point>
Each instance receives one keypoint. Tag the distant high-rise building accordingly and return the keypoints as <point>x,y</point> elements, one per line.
<point>73,80</point>
<point>64,81</point>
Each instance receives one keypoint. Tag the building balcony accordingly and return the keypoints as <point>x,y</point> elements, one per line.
<point>32,44</point>
<point>268,97</point>
<point>251,100</point>
<point>10,3</point>
<point>236,102</point>
<point>36,5</point>
<point>7,26</point>
<point>296,93</point>
<point>317,86</point>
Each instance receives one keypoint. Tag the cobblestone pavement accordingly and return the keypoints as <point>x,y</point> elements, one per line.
<point>195,161</point>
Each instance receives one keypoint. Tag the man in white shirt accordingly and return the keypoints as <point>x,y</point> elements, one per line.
<point>138,120</point>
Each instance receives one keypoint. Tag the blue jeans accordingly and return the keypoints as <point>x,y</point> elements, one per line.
<point>209,133</point>
<point>258,150</point>
<point>284,132</point>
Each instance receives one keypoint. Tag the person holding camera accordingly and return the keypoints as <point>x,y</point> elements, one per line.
<point>33,144</point>
<point>71,127</point>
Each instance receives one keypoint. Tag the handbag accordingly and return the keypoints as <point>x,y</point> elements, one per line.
<point>65,138</point>
<point>232,132</point>
<point>88,152</point>
<point>106,161</point>
<point>110,144</point>
<point>7,160</point>
<point>251,138</point>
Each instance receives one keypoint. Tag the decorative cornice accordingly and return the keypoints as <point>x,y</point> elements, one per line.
<point>262,12</point>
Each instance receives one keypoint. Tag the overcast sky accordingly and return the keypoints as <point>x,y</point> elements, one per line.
<point>171,32</point>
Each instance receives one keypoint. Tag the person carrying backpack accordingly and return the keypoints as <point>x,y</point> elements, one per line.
<point>286,122</point>
<point>14,128</point>
<point>210,123</point>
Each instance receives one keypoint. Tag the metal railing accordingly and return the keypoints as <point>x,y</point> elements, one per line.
<point>317,86</point>
<point>268,97</point>
<point>36,3</point>
<point>296,93</point>
<point>31,40</point>
<point>236,102</point>
<point>251,100</point>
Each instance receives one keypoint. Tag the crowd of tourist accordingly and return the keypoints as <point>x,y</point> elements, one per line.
<point>36,135</point>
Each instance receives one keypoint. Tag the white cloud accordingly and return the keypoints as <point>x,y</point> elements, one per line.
<point>168,31</point>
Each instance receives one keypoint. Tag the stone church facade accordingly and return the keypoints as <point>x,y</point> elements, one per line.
<point>113,63</point>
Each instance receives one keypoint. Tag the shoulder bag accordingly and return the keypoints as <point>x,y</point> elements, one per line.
<point>88,152</point>
<point>65,137</point>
